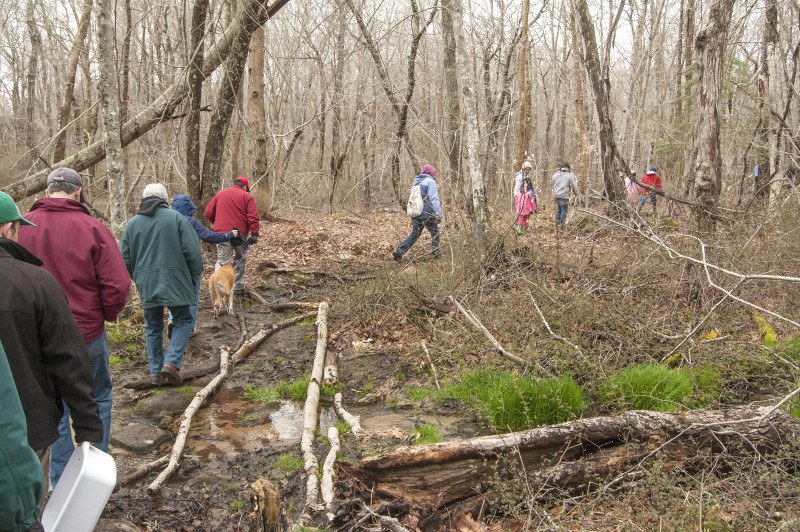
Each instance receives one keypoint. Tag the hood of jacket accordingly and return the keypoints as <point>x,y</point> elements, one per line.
<point>150,205</point>
<point>183,204</point>
<point>59,205</point>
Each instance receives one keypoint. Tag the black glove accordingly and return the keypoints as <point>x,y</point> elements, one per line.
<point>237,241</point>
<point>252,240</point>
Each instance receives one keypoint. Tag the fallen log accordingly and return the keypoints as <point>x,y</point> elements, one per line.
<point>240,354</point>
<point>447,479</point>
<point>183,432</point>
<point>311,418</point>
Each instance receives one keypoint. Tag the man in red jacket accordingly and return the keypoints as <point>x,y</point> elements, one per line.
<point>231,208</point>
<point>85,259</point>
<point>650,179</point>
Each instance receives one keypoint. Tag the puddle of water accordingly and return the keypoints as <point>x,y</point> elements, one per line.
<point>232,424</point>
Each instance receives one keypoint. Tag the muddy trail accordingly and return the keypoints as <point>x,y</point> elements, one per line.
<point>239,436</point>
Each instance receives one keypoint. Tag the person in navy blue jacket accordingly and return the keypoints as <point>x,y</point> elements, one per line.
<point>183,204</point>
<point>430,217</point>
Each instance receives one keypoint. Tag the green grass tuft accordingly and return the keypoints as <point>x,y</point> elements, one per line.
<point>295,390</point>
<point>647,387</point>
<point>263,395</point>
<point>342,426</point>
<point>426,434</point>
<point>511,402</point>
<point>288,462</point>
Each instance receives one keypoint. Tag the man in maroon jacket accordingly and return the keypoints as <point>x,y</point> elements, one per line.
<point>231,208</point>
<point>85,259</point>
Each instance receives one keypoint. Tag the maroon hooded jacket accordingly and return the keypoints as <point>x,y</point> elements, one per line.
<point>83,256</point>
<point>233,207</point>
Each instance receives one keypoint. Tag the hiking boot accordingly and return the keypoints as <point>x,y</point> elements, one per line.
<point>171,374</point>
<point>170,326</point>
<point>158,380</point>
<point>396,256</point>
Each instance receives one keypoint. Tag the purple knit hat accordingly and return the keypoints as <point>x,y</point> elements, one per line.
<point>428,169</point>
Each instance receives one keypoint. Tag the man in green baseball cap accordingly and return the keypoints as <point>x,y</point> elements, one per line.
<point>10,214</point>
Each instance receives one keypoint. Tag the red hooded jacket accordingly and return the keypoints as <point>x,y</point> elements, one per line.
<point>233,207</point>
<point>651,179</point>
<point>83,256</point>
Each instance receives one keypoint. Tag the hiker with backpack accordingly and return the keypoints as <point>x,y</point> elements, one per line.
<point>425,212</point>
<point>525,203</point>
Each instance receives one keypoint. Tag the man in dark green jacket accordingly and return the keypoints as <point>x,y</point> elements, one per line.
<point>162,254</point>
<point>20,471</point>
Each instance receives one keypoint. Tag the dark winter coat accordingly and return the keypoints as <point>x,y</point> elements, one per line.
<point>233,207</point>
<point>45,350</point>
<point>183,204</point>
<point>162,254</point>
<point>83,256</point>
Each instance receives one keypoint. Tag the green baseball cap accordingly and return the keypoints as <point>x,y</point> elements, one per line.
<point>9,211</point>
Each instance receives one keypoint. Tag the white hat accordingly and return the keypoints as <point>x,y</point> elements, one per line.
<point>526,164</point>
<point>155,189</point>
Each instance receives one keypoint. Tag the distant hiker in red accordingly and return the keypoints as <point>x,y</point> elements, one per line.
<point>525,202</point>
<point>650,179</point>
<point>231,208</point>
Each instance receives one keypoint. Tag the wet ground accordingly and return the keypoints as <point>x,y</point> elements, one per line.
<point>235,440</point>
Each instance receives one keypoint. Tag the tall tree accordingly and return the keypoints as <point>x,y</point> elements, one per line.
<point>256,139</point>
<point>69,81</point>
<point>707,168</point>
<point>452,108</point>
<point>598,79</point>
<point>195,86</point>
<point>33,72</point>
<point>109,106</point>
<point>468,84</point>
<point>524,134</point>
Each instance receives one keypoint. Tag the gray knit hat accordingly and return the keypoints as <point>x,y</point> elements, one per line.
<point>155,189</point>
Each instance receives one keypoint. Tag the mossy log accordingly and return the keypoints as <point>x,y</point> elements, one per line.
<point>445,480</point>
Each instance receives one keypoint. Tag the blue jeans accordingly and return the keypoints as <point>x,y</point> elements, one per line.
<point>154,336</point>
<point>561,210</point>
<point>62,449</point>
<point>416,230</point>
<point>193,306</point>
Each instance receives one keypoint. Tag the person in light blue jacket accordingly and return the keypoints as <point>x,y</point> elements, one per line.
<point>184,205</point>
<point>430,217</point>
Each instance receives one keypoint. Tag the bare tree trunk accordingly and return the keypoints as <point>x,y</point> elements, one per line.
<point>226,101</point>
<point>600,87</point>
<point>710,47</point>
<point>109,105</point>
<point>256,160</point>
<point>195,82</point>
<point>33,72</point>
<point>69,81</point>
<point>581,116</point>
<point>452,107</point>
<point>337,153</point>
<point>524,138</point>
<point>688,54</point>
<point>468,84</point>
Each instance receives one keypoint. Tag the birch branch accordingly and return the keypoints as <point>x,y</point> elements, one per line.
<point>326,485</point>
<point>196,403</point>
<point>435,375</point>
<point>145,469</point>
<point>554,335</point>
<point>473,319</point>
<point>350,419</point>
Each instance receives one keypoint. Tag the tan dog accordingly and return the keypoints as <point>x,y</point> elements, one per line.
<point>220,286</point>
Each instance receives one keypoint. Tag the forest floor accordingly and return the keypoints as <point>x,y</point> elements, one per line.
<point>616,296</point>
